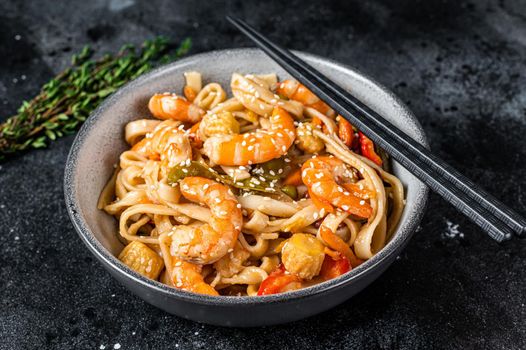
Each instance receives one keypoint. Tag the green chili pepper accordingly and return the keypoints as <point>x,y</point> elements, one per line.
<point>290,190</point>
<point>179,172</point>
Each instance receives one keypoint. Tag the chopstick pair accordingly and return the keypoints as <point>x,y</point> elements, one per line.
<point>499,221</point>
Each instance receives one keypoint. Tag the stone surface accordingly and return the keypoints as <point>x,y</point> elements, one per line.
<point>459,65</point>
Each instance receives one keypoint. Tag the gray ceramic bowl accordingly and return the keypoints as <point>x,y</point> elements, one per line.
<point>100,141</point>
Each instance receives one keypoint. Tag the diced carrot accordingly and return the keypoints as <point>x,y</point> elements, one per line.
<point>294,178</point>
<point>189,93</point>
<point>345,131</point>
<point>320,203</point>
<point>336,243</point>
<point>332,253</point>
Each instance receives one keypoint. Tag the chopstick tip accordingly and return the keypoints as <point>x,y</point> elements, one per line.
<point>231,19</point>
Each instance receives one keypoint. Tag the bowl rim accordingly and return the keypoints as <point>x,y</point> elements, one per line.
<point>399,239</point>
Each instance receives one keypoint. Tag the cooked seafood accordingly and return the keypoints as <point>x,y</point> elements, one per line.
<point>264,192</point>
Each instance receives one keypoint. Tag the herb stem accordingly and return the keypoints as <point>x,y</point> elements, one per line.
<point>66,101</point>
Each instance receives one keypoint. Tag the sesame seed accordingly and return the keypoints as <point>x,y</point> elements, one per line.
<point>362,202</point>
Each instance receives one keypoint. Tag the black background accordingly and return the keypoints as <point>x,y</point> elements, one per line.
<point>460,66</point>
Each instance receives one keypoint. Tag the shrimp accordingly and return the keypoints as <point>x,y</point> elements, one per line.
<point>187,276</point>
<point>298,92</point>
<point>319,175</point>
<point>254,147</point>
<point>210,242</point>
<point>167,143</point>
<point>180,273</point>
<point>171,106</point>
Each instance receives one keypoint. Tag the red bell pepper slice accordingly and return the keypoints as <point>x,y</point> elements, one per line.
<point>367,148</point>
<point>333,268</point>
<point>276,281</point>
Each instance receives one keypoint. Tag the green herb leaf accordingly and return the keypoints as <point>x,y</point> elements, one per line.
<point>67,100</point>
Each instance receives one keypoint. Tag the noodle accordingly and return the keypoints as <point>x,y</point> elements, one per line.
<point>147,196</point>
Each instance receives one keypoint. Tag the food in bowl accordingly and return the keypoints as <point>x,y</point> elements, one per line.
<point>261,193</point>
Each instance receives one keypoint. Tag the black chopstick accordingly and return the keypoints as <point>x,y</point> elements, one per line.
<point>478,205</point>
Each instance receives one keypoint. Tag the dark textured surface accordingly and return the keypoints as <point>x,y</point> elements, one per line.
<point>460,66</point>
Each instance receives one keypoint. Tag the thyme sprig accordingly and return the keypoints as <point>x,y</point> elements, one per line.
<point>65,102</point>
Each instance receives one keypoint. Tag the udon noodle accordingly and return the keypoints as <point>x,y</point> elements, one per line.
<point>262,192</point>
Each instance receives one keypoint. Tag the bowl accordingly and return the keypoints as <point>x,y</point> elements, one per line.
<point>100,141</point>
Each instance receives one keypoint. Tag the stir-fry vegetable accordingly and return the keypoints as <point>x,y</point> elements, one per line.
<point>367,148</point>
<point>271,170</point>
<point>277,281</point>
<point>293,178</point>
<point>345,131</point>
<point>333,268</point>
<point>195,168</point>
<point>290,191</point>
